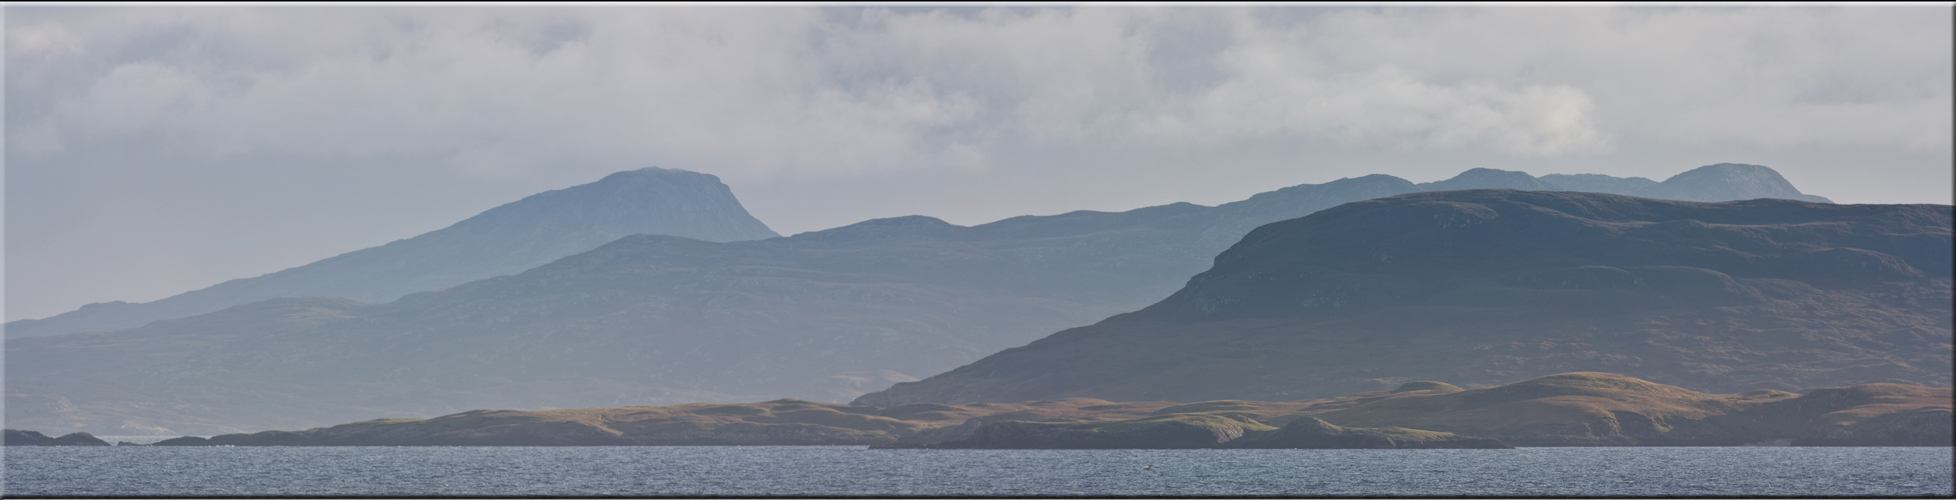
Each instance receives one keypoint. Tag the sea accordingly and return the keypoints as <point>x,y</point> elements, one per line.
<point>855,471</point>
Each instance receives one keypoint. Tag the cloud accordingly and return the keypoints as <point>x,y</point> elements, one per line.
<point>815,91</point>
<point>191,112</point>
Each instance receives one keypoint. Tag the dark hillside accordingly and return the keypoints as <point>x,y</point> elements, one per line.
<point>1486,286</point>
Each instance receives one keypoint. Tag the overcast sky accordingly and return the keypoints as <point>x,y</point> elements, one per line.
<point>156,150</point>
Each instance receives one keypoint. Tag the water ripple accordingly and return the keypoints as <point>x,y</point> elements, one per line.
<point>855,471</point>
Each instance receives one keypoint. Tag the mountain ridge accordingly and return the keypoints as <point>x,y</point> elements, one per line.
<point>652,319</point>
<point>1482,285</point>
<point>503,240</point>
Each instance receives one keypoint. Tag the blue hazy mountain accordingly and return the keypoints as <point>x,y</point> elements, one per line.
<point>503,240</point>
<point>649,319</point>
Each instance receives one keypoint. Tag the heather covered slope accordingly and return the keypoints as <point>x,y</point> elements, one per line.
<point>1570,409</point>
<point>1485,286</point>
<point>503,240</point>
<point>1605,409</point>
<point>779,422</point>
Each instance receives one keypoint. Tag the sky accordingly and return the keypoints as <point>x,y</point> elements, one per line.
<point>153,150</point>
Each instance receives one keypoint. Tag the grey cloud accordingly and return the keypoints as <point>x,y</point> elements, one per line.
<point>1108,107</point>
<point>913,89</point>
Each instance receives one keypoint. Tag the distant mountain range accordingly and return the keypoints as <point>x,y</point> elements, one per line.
<point>1721,182</point>
<point>651,319</point>
<point>504,240</point>
<point>1483,287</point>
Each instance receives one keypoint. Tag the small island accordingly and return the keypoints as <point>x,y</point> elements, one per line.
<point>32,438</point>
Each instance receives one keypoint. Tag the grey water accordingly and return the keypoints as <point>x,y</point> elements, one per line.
<point>857,471</point>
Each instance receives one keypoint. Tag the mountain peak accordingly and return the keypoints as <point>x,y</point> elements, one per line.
<point>1488,178</point>
<point>657,173</point>
<point>504,240</point>
<point>1732,181</point>
<point>649,200</point>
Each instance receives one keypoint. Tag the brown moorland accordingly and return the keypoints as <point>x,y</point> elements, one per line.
<point>1570,409</point>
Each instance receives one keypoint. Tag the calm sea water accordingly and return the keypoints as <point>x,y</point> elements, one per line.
<point>856,471</point>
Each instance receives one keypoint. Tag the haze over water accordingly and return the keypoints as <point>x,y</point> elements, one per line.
<point>855,471</point>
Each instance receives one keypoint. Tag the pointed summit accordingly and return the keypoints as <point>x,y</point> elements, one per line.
<point>504,240</point>
<point>645,201</point>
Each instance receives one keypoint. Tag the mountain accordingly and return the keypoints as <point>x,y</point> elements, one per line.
<point>543,227</point>
<point>503,240</point>
<point>1484,286</point>
<point>1595,183</point>
<point>31,438</point>
<point>1721,182</point>
<point>647,319</point>
<point>1730,181</point>
<point>1488,178</point>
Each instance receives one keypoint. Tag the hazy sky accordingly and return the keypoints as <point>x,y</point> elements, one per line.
<point>155,150</point>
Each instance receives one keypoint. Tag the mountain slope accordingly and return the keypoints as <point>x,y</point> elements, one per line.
<point>1729,181</point>
<point>533,231</point>
<point>646,319</point>
<point>1486,286</point>
<point>825,315</point>
<point>503,240</point>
